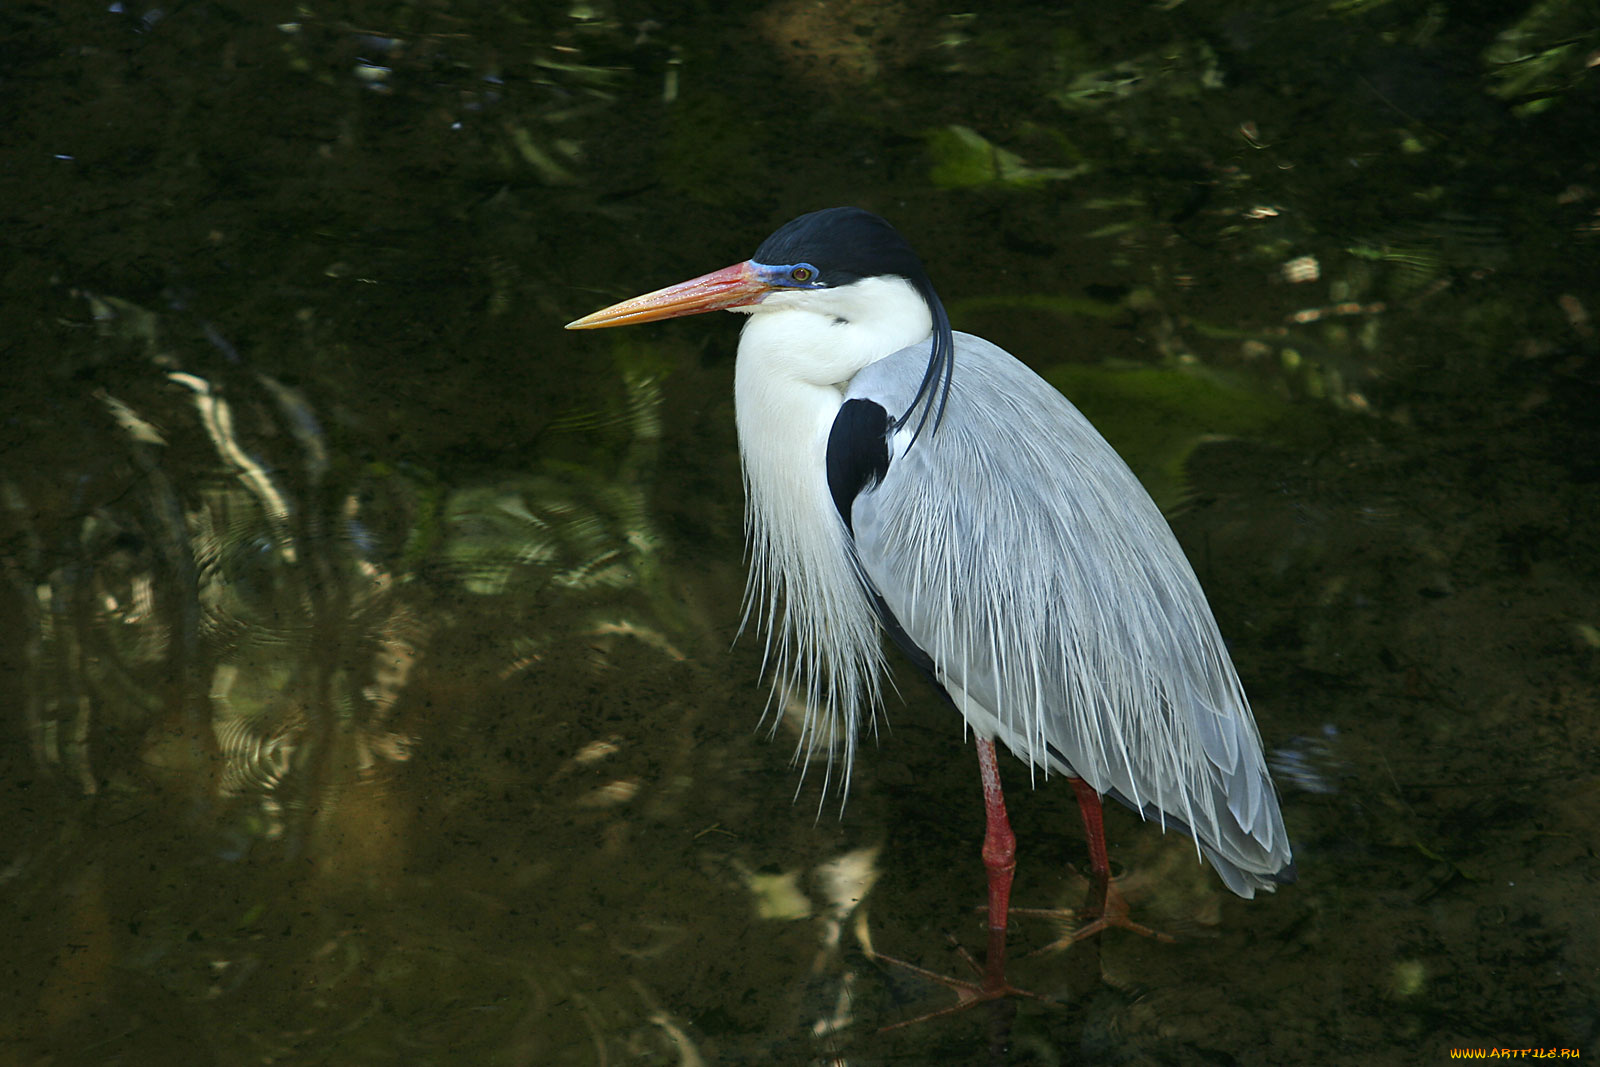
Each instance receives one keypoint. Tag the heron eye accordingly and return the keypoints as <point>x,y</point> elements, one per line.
<point>803,273</point>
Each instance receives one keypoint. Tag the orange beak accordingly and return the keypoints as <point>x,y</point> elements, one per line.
<point>730,287</point>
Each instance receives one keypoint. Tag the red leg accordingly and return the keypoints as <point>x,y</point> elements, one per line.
<point>1093,827</point>
<point>1000,859</point>
<point>1105,905</point>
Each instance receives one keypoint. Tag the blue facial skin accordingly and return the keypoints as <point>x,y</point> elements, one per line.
<point>789,275</point>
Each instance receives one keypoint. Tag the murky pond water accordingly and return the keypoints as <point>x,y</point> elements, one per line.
<point>369,642</point>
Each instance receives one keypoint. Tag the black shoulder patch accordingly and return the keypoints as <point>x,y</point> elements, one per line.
<point>858,452</point>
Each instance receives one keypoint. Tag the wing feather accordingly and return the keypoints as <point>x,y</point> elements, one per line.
<point>1016,549</point>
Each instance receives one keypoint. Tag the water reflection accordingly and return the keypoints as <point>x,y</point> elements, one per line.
<point>225,610</point>
<point>1308,764</point>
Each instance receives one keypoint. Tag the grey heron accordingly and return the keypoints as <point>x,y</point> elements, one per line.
<point>907,479</point>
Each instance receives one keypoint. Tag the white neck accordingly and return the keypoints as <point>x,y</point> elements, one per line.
<point>826,336</point>
<point>797,353</point>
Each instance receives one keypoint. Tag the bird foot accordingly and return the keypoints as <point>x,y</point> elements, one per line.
<point>989,987</point>
<point>1105,908</point>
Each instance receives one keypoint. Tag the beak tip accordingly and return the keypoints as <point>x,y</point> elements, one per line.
<point>731,287</point>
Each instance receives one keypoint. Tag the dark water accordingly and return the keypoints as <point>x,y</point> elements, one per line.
<point>366,638</point>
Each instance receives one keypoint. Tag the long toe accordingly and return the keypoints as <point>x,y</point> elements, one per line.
<point>990,986</point>
<point>1105,908</point>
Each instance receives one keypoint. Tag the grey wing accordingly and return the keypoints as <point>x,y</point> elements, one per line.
<point>1049,598</point>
